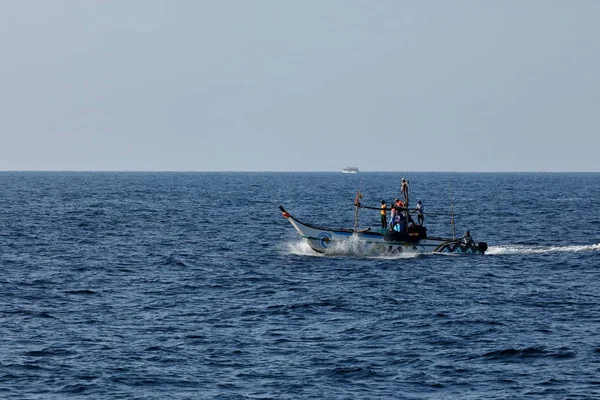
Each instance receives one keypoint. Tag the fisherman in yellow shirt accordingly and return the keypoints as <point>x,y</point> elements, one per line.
<point>383,214</point>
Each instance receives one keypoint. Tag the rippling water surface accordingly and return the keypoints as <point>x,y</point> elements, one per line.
<point>192,285</point>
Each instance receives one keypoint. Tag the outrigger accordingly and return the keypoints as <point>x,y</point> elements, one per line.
<point>412,238</point>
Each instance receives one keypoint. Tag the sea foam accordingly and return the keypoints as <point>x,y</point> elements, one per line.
<point>532,249</point>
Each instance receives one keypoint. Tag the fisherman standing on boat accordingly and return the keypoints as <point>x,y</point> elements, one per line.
<point>399,206</point>
<point>383,214</point>
<point>398,219</point>
<point>399,222</point>
<point>419,209</point>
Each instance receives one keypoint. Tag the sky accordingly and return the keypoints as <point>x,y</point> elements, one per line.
<point>313,85</point>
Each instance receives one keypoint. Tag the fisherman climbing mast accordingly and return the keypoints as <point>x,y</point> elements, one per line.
<point>404,190</point>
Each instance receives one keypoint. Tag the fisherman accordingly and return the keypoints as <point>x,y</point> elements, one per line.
<point>419,209</point>
<point>383,214</point>
<point>398,220</point>
<point>404,189</point>
<point>393,214</point>
<point>399,205</point>
<point>398,224</point>
<point>467,239</point>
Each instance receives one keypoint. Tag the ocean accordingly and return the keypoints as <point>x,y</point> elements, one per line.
<point>127,285</point>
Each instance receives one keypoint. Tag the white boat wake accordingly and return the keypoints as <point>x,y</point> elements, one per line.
<point>301,248</point>
<point>525,249</point>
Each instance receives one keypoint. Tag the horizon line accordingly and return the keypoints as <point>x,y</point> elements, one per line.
<point>293,171</point>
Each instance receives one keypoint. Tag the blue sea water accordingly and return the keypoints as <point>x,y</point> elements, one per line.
<point>193,286</point>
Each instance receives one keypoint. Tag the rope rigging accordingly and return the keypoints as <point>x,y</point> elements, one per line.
<point>413,211</point>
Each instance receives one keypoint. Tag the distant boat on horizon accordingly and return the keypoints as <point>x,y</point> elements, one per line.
<point>350,170</point>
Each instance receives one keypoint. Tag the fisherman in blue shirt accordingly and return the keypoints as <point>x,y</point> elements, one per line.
<point>398,223</point>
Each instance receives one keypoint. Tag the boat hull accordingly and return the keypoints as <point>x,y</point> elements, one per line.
<point>327,240</point>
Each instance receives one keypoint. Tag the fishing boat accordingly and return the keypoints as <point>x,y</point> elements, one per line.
<point>350,170</point>
<point>403,234</point>
<point>415,239</point>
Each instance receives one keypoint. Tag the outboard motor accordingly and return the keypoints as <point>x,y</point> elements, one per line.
<point>482,246</point>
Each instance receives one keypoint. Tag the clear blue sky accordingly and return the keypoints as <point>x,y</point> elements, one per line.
<point>314,85</point>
